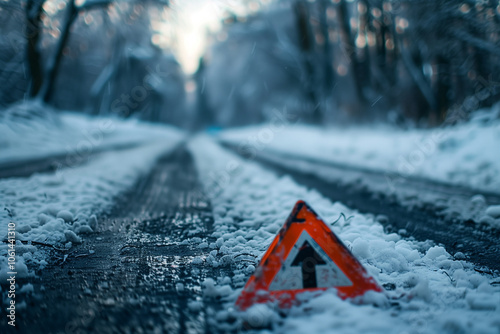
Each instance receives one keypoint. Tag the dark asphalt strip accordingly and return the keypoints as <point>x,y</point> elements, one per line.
<point>397,179</point>
<point>52,163</point>
<point>140,277</point>
<point>479,243</point>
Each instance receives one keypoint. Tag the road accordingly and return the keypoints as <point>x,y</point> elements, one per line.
<point>140,276</point>
<point>137,273</point>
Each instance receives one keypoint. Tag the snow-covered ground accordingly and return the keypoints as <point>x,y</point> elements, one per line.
<point>58,208</point>
<point>465,155</point>
<point>432,291</point>
<point>29,131</point>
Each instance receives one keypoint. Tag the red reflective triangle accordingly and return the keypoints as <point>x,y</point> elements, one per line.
<point>305,255</point>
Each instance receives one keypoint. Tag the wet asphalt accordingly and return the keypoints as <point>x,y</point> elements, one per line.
<point>135,275</point>
<point>140,273</point>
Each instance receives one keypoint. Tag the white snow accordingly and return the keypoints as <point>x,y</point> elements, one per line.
<point>433,292</point>
<point>467,154</point>
<point>29,131</point>
<point>58,208</point>
<point>406,163</point>
<point>493,211</point>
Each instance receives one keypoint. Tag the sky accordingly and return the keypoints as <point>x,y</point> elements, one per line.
<point>192,20</point>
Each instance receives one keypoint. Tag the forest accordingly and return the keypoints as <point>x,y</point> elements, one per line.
<point>419,62</point>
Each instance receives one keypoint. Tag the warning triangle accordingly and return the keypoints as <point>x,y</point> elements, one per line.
<point>304,256</point>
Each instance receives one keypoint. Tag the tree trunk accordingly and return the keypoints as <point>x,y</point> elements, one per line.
<point>54,65</point>
<point>33,23</point>
<point>328,67</point>
<point>347,40</point>
<point>306,45</point>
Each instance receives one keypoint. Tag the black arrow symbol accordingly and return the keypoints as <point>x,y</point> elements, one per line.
<point>308,259</point>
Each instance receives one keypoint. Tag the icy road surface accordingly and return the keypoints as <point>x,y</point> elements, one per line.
<point>175,240</point>
<point>143,269</point>
<point>61,206</point>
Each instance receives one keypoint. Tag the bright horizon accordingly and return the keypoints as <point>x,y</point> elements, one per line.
<point>193,20</point>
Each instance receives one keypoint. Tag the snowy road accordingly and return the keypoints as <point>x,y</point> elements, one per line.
<point>422,221</point>
<point>140,274</point>
<point>175,250</point>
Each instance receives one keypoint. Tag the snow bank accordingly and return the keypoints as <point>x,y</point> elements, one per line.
<point>429,291</point>
<point>466,154</point>
<point>29,131</point>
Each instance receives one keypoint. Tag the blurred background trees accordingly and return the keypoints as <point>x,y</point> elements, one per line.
<point>96,56</point>
<point>420,62</point>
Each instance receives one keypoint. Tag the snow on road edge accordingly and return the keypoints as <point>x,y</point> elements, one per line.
<point>24,137</point>
<point>59,208</point>
<point>465,154</point>
<point>435,292</point>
